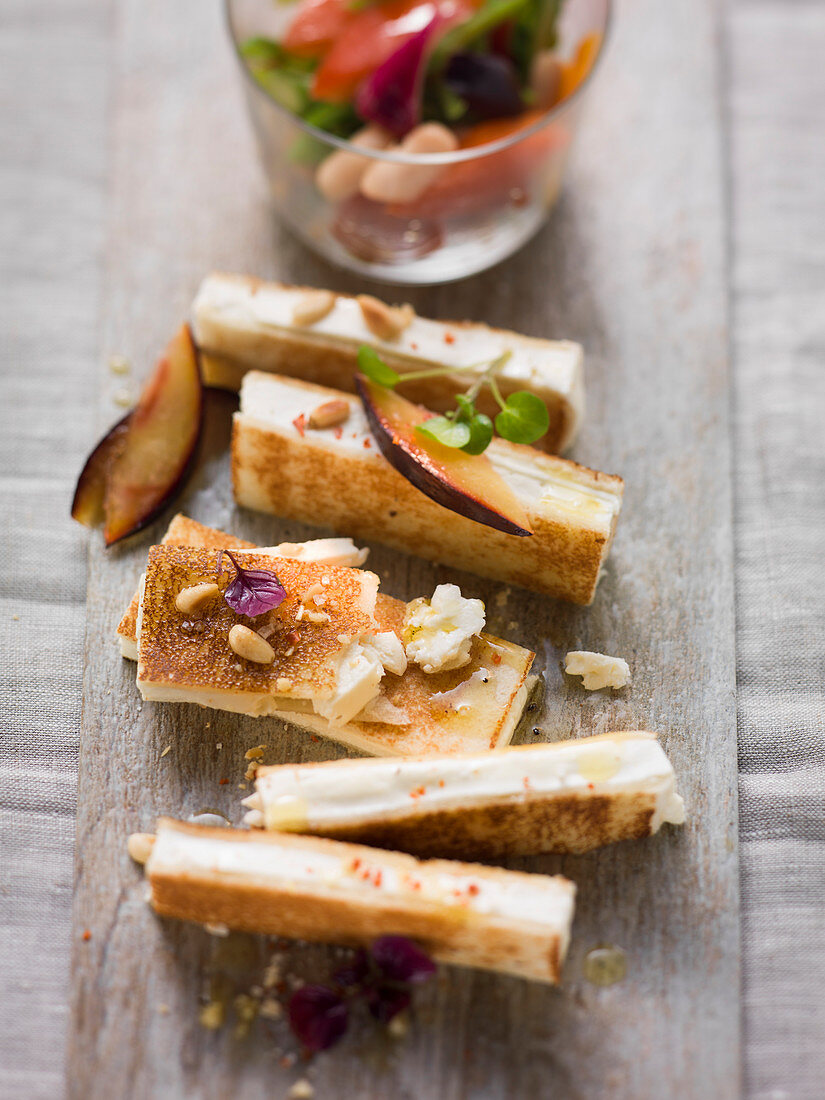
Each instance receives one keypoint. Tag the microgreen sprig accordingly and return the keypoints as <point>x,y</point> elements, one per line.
<point>523,417</point>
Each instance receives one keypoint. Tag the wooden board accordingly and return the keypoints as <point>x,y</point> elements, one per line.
<point>633,265</point>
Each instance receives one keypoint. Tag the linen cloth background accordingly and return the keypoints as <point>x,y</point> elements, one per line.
<point>54,65</point>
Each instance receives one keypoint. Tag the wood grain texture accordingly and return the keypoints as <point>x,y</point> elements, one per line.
<point>633,265</point>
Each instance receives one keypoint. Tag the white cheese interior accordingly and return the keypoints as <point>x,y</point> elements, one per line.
<point>347,792</point>
<point>536,899</point>
<point>549,363</point>
<point>272,402</point>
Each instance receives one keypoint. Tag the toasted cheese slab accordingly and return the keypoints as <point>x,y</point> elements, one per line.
<point>242,324</point>
<point>178,658</point>
<point>183,531</point>
<point>338,477</point>
<point>332,892</point>
<point>469,709</point>
<point>568,796</point>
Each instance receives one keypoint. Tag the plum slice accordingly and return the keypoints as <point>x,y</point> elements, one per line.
<point>141,463</point>
<point>160,442</point>
<point>87,503</point>
<point>464,483</point>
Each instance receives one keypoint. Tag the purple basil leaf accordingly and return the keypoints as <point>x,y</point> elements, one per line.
<point>253,591</point>
<point>355,972</point>
<point>399,960</point>
<point>486,82</point>
<point>318,1016</point>
<point>391,96</point>
<point>386,1002</point>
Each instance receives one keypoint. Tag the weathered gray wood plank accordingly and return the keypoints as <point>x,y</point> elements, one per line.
<point>633,265</point>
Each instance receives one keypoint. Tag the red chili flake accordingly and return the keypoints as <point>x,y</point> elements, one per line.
<point>223,782</point>
<point>417,793</point>
<point>312,737</point>
<point>338,432</point>
<point>496,658</point>
<point>472,889</point>
<point>300,424</point>
<point>590,786</point>
<point>414,346</point>
<point>356,863</point>
<point>366,874</point>
<point>449,338</point>
<point>87,935</point>
<point>367,443</point>
<point>377,877</point>
<point>526,783</point>
<point>293,637</point>
<point>441,782</point>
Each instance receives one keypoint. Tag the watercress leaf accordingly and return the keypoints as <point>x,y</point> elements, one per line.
<point>524,418</point>
<point>481,432</point>
<point>466,407</point>
<point>451,433</point>
<point>373,366</point>
<point>253,591</point>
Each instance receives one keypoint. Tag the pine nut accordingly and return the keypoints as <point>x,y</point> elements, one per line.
<point>313,307</point>
<point>339,176</point>
<point>195,597</point>
<point>140,846</point>
<point>545,79</point>
<point>385,322</point>
<point>329,414</point>
<point>250,645</point>
<point>400,183</point>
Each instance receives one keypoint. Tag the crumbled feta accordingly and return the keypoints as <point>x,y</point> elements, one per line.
<point>597,669</point>
<point>391,652</point>
<point>438,633</point>
<point>358,679</point>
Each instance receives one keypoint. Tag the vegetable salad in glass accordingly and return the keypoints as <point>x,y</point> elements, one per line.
<point>416,140</point>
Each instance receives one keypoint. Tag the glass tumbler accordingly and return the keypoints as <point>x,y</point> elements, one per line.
<point>481,203</point>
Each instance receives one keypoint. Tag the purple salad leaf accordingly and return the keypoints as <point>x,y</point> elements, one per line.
<point>391,95</point>
<point>253,591</point>
<point>318,1016</point>
<point>487,83</point>
<point>400,960</point>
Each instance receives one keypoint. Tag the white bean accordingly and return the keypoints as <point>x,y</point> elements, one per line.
<point>545,79</point>
<point>401,183</point>
<point>339,176</point>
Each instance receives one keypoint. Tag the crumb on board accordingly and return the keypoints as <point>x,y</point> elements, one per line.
<point>165,751</point>
<point>211,1015</point>
<point>301,1090</point>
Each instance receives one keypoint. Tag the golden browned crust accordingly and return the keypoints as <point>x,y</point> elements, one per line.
<point>183,654</point>
<point>182,531</point>
<point>314,911</point>
<point>291,476</point>
<point>525,826</point>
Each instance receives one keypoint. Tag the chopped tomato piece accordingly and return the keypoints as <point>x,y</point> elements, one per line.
<point>474,184</point>
<point>372,35</point>
<point>316,26</point>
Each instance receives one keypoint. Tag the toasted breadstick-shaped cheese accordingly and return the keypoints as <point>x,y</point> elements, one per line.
<point>243,324</point>
<point>474,707</point>
<point>570,796</point>
<point>328,891</point>
<point>339,478</point>
<point>183,531</point>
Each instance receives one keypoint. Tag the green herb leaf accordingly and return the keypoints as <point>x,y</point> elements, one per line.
<point>481,433</point>
<point>373,366</point>
<point>523,419</point>
<point>466,407</point>
<point>451,433</point>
